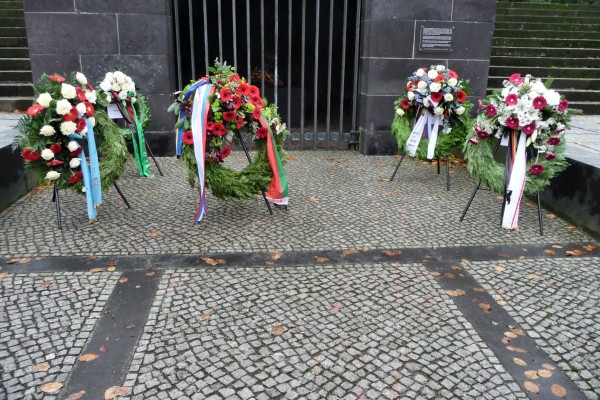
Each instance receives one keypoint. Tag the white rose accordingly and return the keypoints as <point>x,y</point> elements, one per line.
<point>400,112</point>
<point>128,80</point>
<point>432,74</point>
<point>80,108</point>
<point>438,111</point>
<point>68,91</point>
<point>72,145</point>
<point>460,110</point>
<point>452,82</point>
<point>422,85</point>
<point>123,95</point>
<point>125,87</point>
<point>105,86</point>
<point>74,163</point>
<point>47,154</point>
<point>81,78</point>
<point>121,80</point>
<point>92,121</point>
<point>410,96</point>
<point>117,74</point>
<point>109,77</point>
<point>435,87</point>
<point>420,72</point>
<point>63,107</point>
<point>91,96</point>
<point>52,175</point>
<point>448,97</point>
<point>133,100</point>
<point>108,98</point>
<point>115,87</point>
<point>47,130</point>
<point>68,127</point>
<point>440,68</point>
<point>44,99</point>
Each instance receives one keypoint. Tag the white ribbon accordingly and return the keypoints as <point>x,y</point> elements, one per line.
<point>432,122</point>
<point>516,186</point>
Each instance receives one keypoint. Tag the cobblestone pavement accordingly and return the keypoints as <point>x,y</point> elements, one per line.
<point>316,332</point>
<point>338,200</point>
<point>556,302</point>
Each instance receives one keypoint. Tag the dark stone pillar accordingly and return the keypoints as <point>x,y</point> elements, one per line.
<point>390,52</point>
<point>94,37</point>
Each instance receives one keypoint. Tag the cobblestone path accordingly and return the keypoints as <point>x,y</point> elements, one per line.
<point>363,289</point>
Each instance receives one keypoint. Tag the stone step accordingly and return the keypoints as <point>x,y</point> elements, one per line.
<point>556,19</point>
<point>545,34</point>
<point>15,76</point>
<point>502,5</point>
<point>567,12</point>
<point>11,5</point>
<point>13,41</point>
<point>495,81</point>
<point>14,52</point>
<point>544,52</point>
<point>15,64</point>
<point>536,42</point>
<point>544,72</point>
<point>13,32</point>
<point>544,61</point>
<point>15,22</point>
<point>538,26</point>
<point>10,104</point>
<point>16,89</point>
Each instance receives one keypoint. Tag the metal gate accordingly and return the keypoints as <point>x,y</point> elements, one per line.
<point>302,53</point>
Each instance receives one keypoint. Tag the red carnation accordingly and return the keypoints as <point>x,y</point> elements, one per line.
<point>35,110</point>
<point>511,99</point>
<point>529,129</point>
<point>461,96</point>
<point>452,74</point>
<point>72,115</point>
<point>436,96</point>
<point>516,79</point>
<point>54,163</point>
<point>563,105</point>
<point>225,152</point>
<point>512,122</point>
<point>257,101</point>
<point>405,104</point>
<point>244,89</point>
<point>81,124</point>
<point>257,113</point>
<point>262,133</point>
<point>75,153</point>
<point>80,94</point>
<point>30,155</point>
<point>536,169</point>
<point>539,103</point>
<point>554,140</point>
<point>188,137</point>
<point>481,134</point>
<point>57,78</point>
<point>225,94</point>
<point>440,78</point>
<point>490,110</point>
<point>210,126</point>
<point>89,109</point>
<point>550,156</point>
<point>56,147</point>
<point>237,102</point>
<point>254,91</point>
<point>218,129</point>
<point>229,116</point>
<point>234,78</point>
<point>239,122</point>
<point>410,85</point>
<point>77,176</point>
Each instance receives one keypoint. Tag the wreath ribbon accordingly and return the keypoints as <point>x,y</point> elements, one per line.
<point>426,126</point>
<point>137,137</point>
<point>278,188</point>
<point>514,178</point>
<point>91,172</point>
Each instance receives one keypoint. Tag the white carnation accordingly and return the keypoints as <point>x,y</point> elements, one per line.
<point>68,127</point>
<point>115,87</point>
<point>420,72</point>
<point>452,82</point>
<point>400,112</point>
<point>460,110</point>
<point>63,107</point>
<point>120,79</point>
<point>44,99</point>
<point>52,175</point>
<point>80,108</point>
<point>410,96</point>
<point>422,85</point>
<point>91,96</point>
<point>47,130</point>
<point>72,145</point>
<point>438,111</point>
<point>125,87</point>
<point>68,91</point>
<point>552,97</point>
<point>74,163</point>
<point>81,78</point>
<point>123,95</point>
<point>105,86</point>
<point>432,74</point>
<point>47,154</point>
<point>440,68</point>
<point>448,97</point>
<point>435,87</point>
<point>92,121</point>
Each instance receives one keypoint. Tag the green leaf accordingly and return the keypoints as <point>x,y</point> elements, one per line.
<point>173,107</point>
<point>180,123</point>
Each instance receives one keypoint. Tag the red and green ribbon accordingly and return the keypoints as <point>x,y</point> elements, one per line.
<point>278,188</point>
<point>137,137</point>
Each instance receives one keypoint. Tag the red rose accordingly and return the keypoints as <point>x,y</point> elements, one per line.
<point>237,102</point>
<point>436,96</point>
<point>89,109</point>
<point>81,124</point>
<point>244,89</point>
<point>225,94</point>
<point>563,105</point>
<point>536,169</point>
<point>229,116</point>
<point>254,91</point>
<point>77,176</point>
<point>257,113</point>
<point>54,163</point>
<point>440,78</point>
<point>239,122</point>
<point>452,74</point>
<point>405,104</point>
<point>57,78</point>
<point>30,155</point>
<point>553,141</point>
<point>72,115</point>
<point>529,129</point>
<point>225,152</point>
<point>188,137</point>
<point>262,133</point>
<point>461,96</point>
<point>56,147</point>
<point>80,94</point>
<point>35,110</point>
<point>219,129</point>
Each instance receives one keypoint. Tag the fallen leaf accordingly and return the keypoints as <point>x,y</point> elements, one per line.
<point>123,280</point>
<point>154,234</point>
<point>501,302</point>
<point>571,227</point>
<point>94,270</point>
<point>516,349</point>
<point>149,273</point>
<point>531,374</point>
<point>76,395</point>
<point>545,373</point>
<point>485,307</point>
<point>433,273</point>
<point>505,340</point>
<point>111,269</point>
<point>556,246</point>
<point>550,252</point>
<point>210,261</point>
<point>551,216</point>
<point>276,255</point>
<point>277,330</point>
<point>130,326</point>
<point>348,252</point>
<point>518,361</point>
<point>559,390</point>
<point>138,286</point>
<point>92,257</point>
<point>395,194</point>
<point>456,267</point>
<point>465,261</point>
<point>457,292</point>
<point>518,331</point>
<point>503,255</point>
<point>391,253</point>
<point>548,366</point>
<point>24,260</point>
<point>590,247</point>
<point>321,259</point>
<point>574,253</point>
<point>533,276</point>
<point>205,316</point>
<point>448,275</point>
<point>521,257</point>
<point>511,335</point>
<point>51,387</point>
<point>270,263</point>
<point>291,158</point>
<point>313,199</point>
<point>103,348</point>
<point>3,275</point>
<point>12,261</point>
<point>87,357</point>
<point>42,367</point>
<point>500,268</point>
<point>531,387</point>
<point>112,264</point>
<point>46,284</point>
<point>478,289</point>
<point>115,391</point>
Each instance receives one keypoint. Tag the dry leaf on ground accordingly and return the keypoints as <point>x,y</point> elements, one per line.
<point>433,273</point>
<point>557,246</point>
<point>348,252</point>
<point>485,307</point>
<point>276,255</point>
<point>321,259</point>
<point>211,261</point>
<point>448,275</point>
<point>457,292</point>
<point>531,374</point>
<point>42,367</point>
<point>545,373</point>
<point>550,252</point>
<point>576,252</point>
<point>551,216</point>
<point>516,349</point>
<point>500,268</point>
<point>313,199</point>
<point>149,273</point>
<point>531,387</point>
<point>518,361</point>
<point>46,284</point>
<point>87,357</point>
<point>501,302</point>
<point>571,227</point>
<point>590,247</point>
<point>24,260</point>
<point>115,391</point>
<point>478,289</point>
<point>51,387</point>
<point>99,269</point>
<point>277,330</point>
<point>154,234</point>
<point>130,326</point>
<point>205,316</point>
<point>533,276</point>
<point>123,280</point>
<point>548,366</point>
<point>559,390</point>
<point>391,253</point>
<point>76,395</point>
<point>12,261</point>
<point>511,335</point>
<point>103,348</point>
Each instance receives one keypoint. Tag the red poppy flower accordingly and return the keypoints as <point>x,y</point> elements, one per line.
<point>563,105</point>
<point>511,99</point>
<point>75,153</point>
<point>529,129</point>
<point>229,116</point>
<point>218,129</point>
<point>539,103</point>
<point>452,74</point>
<point>56,147</point>
<point>550,156</point>
<point>225,94</point>
<point>440,78</point>
<point>81,124</point>
<point>554,140</point>
<point>262,133</point>
<point>405,104</point>
<point>188,137</point>
<point>481,134</point>
<point>89,109</point>
<point>35,110</point>
<point>30,155</point>
<point>239,122</point>
<point>516,79</point>
<point>536,169</point>
<point>254,91</point>
<point>80,94</point>
<point>72,115</point>
<point>244,89</point>
<point>54,163</point>
<point>237,102</point>
<point>257,113</point>
<point>460,96</point>
<point>225,152</point>
<point>436,96</point>
<point>57,78</point>
<point>77,176</point>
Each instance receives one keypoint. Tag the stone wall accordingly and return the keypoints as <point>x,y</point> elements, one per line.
<point>391,51</point>
<point>91,36</point>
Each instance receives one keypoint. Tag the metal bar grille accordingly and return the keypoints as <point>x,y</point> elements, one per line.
<point>267,41</point>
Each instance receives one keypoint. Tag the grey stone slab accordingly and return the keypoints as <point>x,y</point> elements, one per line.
<point>388,38</point>
<point>48,6</point>
<point>161,7</point>
<point>78,33</point>
<point>474,10</point>
<point>53,63</point>
<point>141,34</point>
<point>387,77</point>
<point>463,45</point>
<point>476,72</point>
<point>161,119</point>
<point>377,112</point>
<point>408,10</point>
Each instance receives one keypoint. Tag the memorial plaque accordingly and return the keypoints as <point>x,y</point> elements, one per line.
<point>436,39</point>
